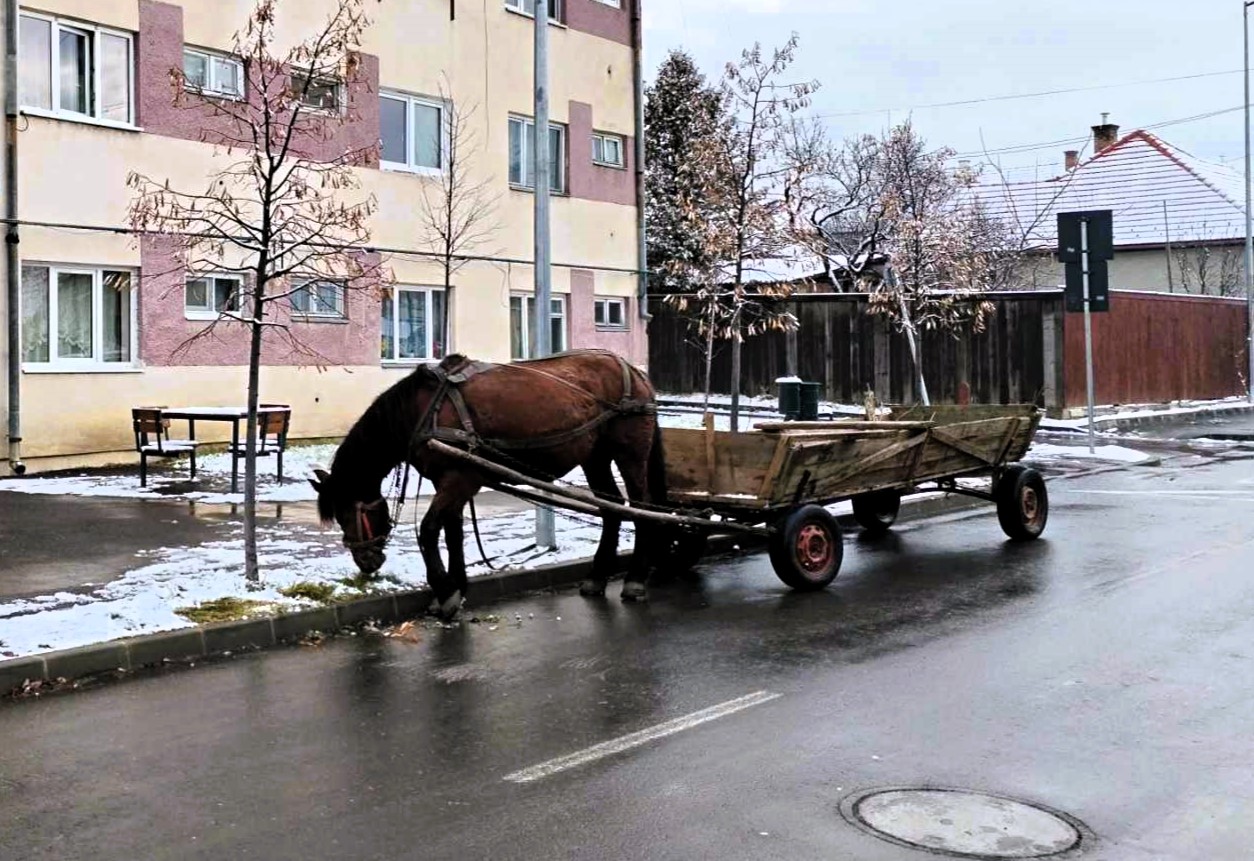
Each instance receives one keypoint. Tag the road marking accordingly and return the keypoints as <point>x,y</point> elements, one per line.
<point>1200,492</point>
<point>636,739</point>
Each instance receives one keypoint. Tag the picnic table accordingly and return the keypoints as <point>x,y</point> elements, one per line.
<point>234,415</point>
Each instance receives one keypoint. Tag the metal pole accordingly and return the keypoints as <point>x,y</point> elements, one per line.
<point>1249,214</point>
<point>1088,327</point>
<point>541,329</point>
<point>12,264</point>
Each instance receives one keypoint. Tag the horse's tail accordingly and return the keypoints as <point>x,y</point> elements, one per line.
<point>657,468</point>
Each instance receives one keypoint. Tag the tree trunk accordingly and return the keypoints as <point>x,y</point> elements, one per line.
<point>709,357</point>
<point>736,344</point>
<point>251,570</point>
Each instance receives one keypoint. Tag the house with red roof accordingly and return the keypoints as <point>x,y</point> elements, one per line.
<point>1177,221</point>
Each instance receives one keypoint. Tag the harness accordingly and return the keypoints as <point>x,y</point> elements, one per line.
<point>465,435</point>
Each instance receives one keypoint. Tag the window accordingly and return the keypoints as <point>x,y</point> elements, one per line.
<point>528,7</point>
<point>317,298</point>
<point>213,74</point>
<point>75,70</point>
<point>607,149</point>
<point>617,4</point>
<point>316,93</point>
<point>611,313</point>
<point>206,296</point>
<point>522,136</point>
<point>520,325</point>
<point>413,324</point>
<point>76,316</point>
<point>412,132</point>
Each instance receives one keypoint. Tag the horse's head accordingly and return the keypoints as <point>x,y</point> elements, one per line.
<point>365,522</point>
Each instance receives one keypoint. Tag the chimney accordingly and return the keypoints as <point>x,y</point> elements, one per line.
<point>1104,135</point>
<point>1072,157</point>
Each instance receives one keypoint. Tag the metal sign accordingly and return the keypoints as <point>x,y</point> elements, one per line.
<point>1101,242</point>
<point>1086,240</point>
<point>1099,286</point>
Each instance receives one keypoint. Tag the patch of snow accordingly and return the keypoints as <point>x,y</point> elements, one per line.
<point>143,600</point>
<point>1114,453</point>
<point>1139,411</point>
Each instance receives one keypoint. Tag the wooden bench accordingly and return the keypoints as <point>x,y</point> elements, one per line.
<point>272,424</point>
<point>152,439</point>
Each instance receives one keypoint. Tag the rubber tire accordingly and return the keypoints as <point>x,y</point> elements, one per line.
<point>1015,482</point>
<point>876,512</point>
<point>783,547</point>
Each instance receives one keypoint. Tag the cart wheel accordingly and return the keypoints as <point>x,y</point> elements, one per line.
<point>807,549</point>
<point>1022,502</point>
<point>877,511</point>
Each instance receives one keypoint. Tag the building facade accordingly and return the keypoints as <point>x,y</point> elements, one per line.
<point>106,317</point>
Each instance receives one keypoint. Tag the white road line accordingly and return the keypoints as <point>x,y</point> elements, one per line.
<point>1201,492</point>
<point>636,739</point>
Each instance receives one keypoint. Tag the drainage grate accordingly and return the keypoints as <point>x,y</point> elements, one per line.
<point>963,824</point>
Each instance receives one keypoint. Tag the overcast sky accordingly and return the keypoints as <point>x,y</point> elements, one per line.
<point>886,59</point>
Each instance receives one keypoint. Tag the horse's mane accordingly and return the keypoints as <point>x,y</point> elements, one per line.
<point>378,440</point>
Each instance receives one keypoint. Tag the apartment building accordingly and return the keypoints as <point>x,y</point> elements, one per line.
<point>103,315</point>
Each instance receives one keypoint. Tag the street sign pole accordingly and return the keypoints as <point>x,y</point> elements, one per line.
<point>541,330</point>
<point>1088,326</point>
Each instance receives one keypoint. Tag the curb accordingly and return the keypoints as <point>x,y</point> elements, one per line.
<point>1108,422</point>
<point>224,638</point>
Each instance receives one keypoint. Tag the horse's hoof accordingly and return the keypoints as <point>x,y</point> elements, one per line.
<point>448,609</point>
<point>635,592</point>
<point>592,589</point>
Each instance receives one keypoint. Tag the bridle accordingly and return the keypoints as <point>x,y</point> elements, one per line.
<point>366,537</point>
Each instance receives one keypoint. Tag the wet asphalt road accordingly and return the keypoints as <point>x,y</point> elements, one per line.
<point>1104,670</point>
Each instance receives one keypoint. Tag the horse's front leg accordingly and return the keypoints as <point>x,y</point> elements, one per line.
<point>455,541</point>
<point>448,597</point>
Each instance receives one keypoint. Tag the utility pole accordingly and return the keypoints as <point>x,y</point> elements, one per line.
<point>541,325</point>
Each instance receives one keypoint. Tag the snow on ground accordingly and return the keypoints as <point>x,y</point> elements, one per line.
<point>1138,411</point>
<point>1113,453</point>
<point>144,600</point>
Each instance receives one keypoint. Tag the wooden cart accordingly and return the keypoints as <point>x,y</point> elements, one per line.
<point>775,480</point>
<point>784,473</point>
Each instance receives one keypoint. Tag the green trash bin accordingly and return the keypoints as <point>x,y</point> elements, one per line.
<point>809,404</point>
<point>789,397</point>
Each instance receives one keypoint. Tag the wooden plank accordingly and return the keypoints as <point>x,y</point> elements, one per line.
<point>841,424</point>
<point>777,463</point>
<point>710,460</point>
<point>942,435</point>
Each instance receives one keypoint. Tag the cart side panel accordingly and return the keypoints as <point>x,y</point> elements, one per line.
<point>831,467</point>
<point>734,465</point>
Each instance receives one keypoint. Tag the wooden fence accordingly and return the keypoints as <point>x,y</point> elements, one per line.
<point>1149,347</point>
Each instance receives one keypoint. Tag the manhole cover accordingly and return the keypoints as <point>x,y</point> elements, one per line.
<point>964,824</point>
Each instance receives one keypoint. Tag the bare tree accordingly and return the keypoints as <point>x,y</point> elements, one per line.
<point>458,210</point>
<point>1209,268</point>
<point>762,105</point>
<point>281,211</point>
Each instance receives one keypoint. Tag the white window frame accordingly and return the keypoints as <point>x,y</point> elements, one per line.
<point>617,4</point>
<point>408,165</point>
<point>206,312</point>
<point>93,32</point>
<point>526,122</point>
<point>604,302</point>
<point>212,88</point>
<point>528,305</point>
<point>604,137</point>
<point>393,298</point>
<point>340,312</point>
<point>341,94</point>
<point>96,362</point>
<point>519,7</point>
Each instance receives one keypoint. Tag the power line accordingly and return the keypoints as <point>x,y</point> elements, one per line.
<point>1011,97</point>
<point>379,249</point>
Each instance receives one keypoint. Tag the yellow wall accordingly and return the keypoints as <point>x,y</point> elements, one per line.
<point>73,172</point>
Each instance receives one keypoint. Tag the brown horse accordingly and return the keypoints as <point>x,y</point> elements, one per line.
<point>586,409</point>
